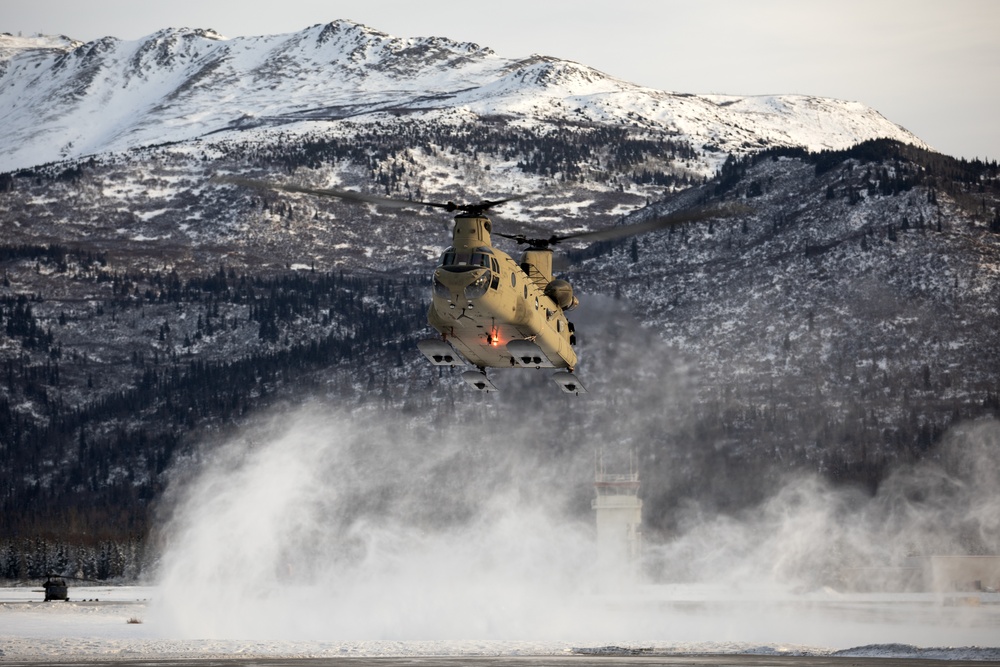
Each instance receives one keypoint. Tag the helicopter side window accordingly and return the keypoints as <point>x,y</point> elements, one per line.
<point>513,280</point>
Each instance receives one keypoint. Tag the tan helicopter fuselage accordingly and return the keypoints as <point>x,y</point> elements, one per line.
<point>483,300</point>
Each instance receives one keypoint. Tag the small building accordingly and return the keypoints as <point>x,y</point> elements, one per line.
<point>55,588</point>
<point>965,573</point>
<point>927,574</point>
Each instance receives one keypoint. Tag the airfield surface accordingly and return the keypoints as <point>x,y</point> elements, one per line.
<point>697,627</point>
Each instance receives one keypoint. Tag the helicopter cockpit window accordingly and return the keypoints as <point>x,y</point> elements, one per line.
<point>478,287</point>
<point>466,261</point>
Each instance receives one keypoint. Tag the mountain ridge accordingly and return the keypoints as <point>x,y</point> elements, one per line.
<point>185,84</point>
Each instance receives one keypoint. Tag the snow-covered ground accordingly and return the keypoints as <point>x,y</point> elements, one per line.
<point>127,623</point>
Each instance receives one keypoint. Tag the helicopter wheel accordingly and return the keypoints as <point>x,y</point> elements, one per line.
<point>568,382</point>
<point>478,380</point>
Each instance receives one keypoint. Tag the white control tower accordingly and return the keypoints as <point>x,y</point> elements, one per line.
<point>619,518</point>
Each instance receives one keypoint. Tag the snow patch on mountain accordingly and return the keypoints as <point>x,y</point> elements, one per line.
<point>63,99</point>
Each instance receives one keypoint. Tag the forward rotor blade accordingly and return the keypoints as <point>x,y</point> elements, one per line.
<point>647,226</point>
<point>365,198</point>
<point>349,195</point>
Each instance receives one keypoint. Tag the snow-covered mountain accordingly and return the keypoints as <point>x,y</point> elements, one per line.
<point>63,99</point>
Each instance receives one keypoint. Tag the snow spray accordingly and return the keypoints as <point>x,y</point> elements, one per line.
<point>328,527</point>
<point>377,524</point>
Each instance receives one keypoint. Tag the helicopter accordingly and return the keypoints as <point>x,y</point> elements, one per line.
<point>489,310</point>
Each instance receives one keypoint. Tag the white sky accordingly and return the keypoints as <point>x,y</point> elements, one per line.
<point>932,66</point>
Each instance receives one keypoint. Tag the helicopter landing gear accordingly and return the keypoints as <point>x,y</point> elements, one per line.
<point>439,352</point>
<point>527,354</point>
<point>478,380</point>
<point>568,383</point>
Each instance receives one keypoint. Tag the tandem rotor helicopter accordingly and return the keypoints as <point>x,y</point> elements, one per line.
<point>492,311</point>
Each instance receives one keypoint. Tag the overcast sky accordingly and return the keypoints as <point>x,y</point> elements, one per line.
<point>932,66</point>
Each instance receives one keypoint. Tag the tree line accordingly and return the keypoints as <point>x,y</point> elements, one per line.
<point>569,152</point>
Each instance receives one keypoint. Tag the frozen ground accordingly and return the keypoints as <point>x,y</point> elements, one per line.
<point>128,623</point>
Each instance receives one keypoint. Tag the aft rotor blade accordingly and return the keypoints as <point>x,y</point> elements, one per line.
<point>365,198</point>
<point>645,227</point>
<point>349,195</point>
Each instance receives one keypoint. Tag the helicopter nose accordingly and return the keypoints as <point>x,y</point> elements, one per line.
<point>460,288</point>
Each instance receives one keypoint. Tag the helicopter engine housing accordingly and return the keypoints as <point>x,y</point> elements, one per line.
<point>561,292</point>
